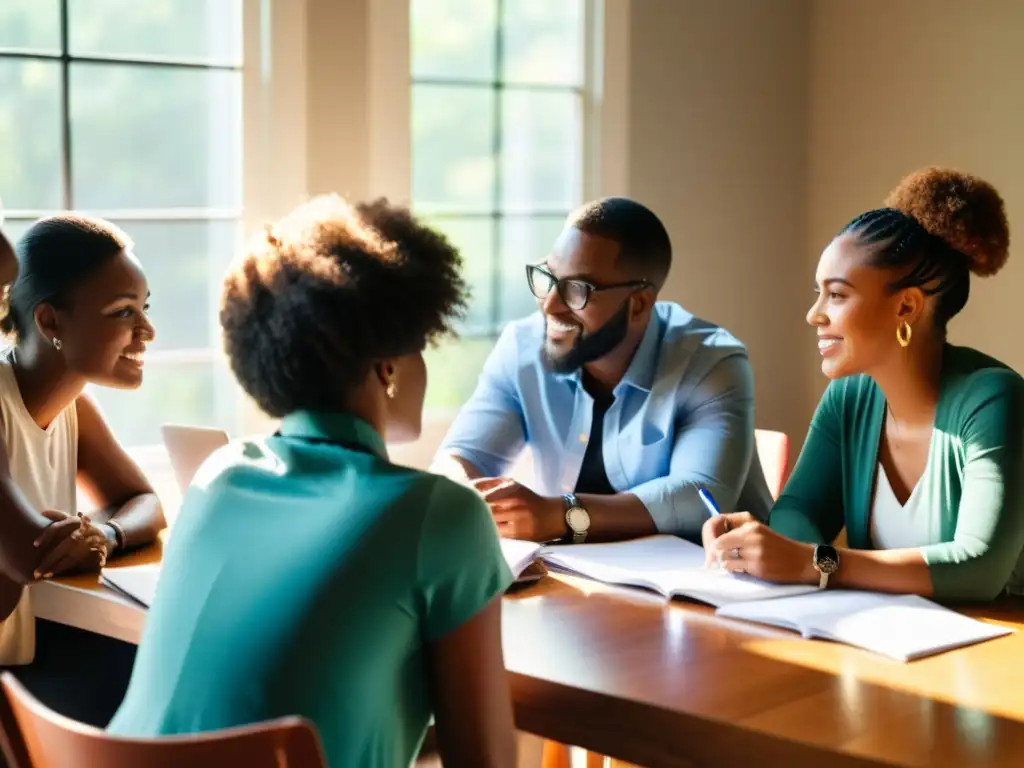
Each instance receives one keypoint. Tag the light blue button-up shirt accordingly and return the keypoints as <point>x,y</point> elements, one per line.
<point>683,418</point>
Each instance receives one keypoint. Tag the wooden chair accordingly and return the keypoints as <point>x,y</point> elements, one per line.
<point>773,453</point>
<point>33,736</point>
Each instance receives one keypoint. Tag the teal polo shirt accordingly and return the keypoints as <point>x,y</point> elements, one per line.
<point>306,575</point>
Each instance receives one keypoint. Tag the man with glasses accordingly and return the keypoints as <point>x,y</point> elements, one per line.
<point>629,405</point>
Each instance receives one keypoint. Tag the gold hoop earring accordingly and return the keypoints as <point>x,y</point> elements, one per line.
<point>903,334</point>
<point>391,390</point>
<point>56,343</point>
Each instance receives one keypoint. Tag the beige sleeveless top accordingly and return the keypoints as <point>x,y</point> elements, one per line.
<point>44,465</point>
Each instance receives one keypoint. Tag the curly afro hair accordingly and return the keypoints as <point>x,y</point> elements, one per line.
<point>937,228</point>
<point>321,295</point>
<point>965,211</point>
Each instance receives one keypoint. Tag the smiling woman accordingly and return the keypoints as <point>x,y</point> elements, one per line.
<point>76,314</point>
<point>917,447</point>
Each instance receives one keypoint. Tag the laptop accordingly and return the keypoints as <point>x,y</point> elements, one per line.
<point>188,447</point>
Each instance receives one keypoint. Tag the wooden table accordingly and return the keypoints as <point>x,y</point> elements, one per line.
<point>624,674</point>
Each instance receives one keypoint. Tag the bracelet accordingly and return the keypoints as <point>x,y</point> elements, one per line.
<point>122,539</point>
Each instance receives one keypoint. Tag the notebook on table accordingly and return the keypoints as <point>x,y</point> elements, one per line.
<point>668,565</point>
<point>522,560</point>
<point>137,582</point>
<point>902,627</point>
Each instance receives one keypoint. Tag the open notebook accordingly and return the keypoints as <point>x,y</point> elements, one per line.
<point>137,582</point>
<point>668,565</point>
<point>903,627</point>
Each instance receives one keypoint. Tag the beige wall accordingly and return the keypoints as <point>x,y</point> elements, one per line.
<point>755,128</point>
<point>717,137</point>
<point>899,85</point>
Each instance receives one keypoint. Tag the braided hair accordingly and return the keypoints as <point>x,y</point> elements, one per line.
<point>321,295</point>
<point>937,228</point>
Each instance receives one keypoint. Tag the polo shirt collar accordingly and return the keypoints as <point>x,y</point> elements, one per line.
<point>336,427</point>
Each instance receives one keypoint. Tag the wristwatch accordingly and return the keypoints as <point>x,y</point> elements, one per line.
<point>826,562</point>
<point>577,518</point>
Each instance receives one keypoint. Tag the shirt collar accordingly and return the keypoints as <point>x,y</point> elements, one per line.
<point>640,373</point>
<point>338,427</point>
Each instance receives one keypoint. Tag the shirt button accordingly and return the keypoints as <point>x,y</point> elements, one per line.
<point>583,438</point>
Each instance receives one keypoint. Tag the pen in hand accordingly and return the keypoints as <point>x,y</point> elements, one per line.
<point>709,502</point>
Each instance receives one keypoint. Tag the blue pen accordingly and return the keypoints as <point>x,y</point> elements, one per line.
<point>709,502</point>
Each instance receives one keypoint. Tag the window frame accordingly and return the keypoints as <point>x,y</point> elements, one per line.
<point>498,213</point>
<point>205,355</point>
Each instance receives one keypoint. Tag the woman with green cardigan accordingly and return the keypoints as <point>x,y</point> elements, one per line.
<point>917,446</point>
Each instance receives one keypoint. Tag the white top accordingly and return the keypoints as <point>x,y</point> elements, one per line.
<point>44,464</point>
<point>898,526</point>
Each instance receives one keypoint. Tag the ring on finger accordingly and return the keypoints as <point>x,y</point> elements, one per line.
<point>734,553</point>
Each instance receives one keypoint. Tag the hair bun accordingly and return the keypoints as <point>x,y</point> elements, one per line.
<point>965,211</point>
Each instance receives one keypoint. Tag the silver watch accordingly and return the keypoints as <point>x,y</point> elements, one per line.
<point>577,518</point>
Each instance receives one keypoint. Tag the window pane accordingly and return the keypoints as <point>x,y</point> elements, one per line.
<point>30,24</point>
<point>474,237</point>
<point>541,153</point>
<point>452,371</point>
<point>452,149</point>
<point>191,393</point>
<point>454,38</point>
<point>206,30</point>
<point>524,240</point>
<point>185,262</point>
<point>155,137</point>
<point>15,228</point>
<point>30,134</point>
<point>543,41</point>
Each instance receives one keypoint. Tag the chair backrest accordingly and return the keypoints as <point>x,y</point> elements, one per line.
<point>36,737</point>
<point>773,452</point>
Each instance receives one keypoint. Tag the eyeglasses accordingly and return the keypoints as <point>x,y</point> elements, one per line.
<point>575,293</point>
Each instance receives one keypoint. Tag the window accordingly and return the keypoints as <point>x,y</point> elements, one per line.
<point>132,111</point>
<point>497,157</point>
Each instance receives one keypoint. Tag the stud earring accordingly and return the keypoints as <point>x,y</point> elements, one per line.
<point>903,334</point>
<point>56,343</point>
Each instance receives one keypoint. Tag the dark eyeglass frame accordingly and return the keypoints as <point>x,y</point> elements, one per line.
<point>561,285</point>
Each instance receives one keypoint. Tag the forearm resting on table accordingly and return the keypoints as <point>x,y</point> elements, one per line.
<point>902,571</point>
<point>617,517</point>
<point>20,526</point>
<point>141,518</point>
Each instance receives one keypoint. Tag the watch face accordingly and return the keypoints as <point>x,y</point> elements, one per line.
<point>826,559</point>
<point>578,519</point>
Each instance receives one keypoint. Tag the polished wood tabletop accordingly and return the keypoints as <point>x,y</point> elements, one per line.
<point>621,672</point>
<point>626,674</point>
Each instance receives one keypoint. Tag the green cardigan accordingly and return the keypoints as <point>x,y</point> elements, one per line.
<point>973,482</point>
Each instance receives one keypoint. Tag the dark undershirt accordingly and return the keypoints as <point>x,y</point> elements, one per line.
<point>593,478</point>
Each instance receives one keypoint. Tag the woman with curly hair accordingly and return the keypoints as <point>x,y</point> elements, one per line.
<point>916,446</point>
<point>307,574</point>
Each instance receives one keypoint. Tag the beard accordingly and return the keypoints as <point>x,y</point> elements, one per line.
<point>588,347</point>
